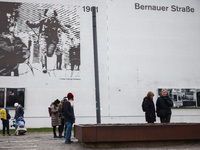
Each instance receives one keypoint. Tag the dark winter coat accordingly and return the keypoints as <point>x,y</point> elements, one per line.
<point>74,55</point>
<point>149,108</point>
<point>55,116</point>
<point>19,112</point>
<point>68,112</point>
<point>163,106</point>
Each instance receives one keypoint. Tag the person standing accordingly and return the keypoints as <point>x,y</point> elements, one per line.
<point>149,108</point>
<point>163,107</point>
<point>61,105</point>
<point>48,35</point>
<point>55,116</point>
<point>59,61</point>
<point>69,117</point>
<point>74,56</point>
<point>19,112</point>
<point>5,121</point>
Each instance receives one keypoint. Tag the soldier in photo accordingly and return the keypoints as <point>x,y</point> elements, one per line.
<point>48,35</point>
<point>74,56</point>
<point>12,50</point>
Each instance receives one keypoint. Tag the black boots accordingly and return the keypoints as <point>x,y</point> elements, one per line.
<point>55,136</point>
<point>54,132</point>
<point>60,135</point>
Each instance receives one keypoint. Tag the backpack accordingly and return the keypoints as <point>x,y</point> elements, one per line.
<point>63,106</point>
<point>143,107</point>
<point>21,124</point>
<point>3,114</point>
<point>49,110</point>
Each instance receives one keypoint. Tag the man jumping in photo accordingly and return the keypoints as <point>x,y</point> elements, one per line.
<point>48,35</point>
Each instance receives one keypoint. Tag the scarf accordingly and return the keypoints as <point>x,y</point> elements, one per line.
<point>71,102</point>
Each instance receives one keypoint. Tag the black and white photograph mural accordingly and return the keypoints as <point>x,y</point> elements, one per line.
<point>184,98</point>
<point>39,40</point>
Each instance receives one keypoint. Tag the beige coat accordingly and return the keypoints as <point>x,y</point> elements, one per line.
<point>55,116</point>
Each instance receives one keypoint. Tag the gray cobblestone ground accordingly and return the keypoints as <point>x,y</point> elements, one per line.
<point>45,141</point>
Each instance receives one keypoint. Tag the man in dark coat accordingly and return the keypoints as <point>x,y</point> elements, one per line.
<point>149,108</point>
<point>163,106</point>
<point>19,112</point>
<point>74,55</point>
<point>69,117</point>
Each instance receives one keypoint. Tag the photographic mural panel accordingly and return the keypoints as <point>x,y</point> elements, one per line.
<point>39,39</point>
<point>184,98</point>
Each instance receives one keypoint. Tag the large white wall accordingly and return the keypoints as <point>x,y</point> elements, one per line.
<point>148,50</point>
<point>139,51</point>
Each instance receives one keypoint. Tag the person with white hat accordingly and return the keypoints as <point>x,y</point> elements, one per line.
<point>19,112</point>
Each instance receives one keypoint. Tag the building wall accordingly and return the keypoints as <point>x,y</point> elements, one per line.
<point>139,51</point>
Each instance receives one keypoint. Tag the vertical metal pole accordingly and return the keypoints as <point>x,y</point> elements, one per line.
<point>5,95</point>
<point>96,67</point>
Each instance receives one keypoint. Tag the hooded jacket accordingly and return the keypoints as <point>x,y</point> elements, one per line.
<point>149,108</point>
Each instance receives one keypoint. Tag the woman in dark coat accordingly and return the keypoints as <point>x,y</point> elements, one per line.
<point>149,108</point>
<point>55,116</point>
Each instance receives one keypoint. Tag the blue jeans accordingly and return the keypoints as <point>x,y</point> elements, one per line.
<point>68,132</point>
<point>16,123</point>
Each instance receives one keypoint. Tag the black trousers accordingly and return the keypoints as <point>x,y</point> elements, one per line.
<point>62,127</point>
<point>5,126</point>
<point>165,119</point>
<point>54,129</point>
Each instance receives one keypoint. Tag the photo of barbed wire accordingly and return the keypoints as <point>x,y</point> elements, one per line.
<point>39,39</point>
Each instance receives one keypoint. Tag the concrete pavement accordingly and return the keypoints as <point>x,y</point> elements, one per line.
<point>45,141</point>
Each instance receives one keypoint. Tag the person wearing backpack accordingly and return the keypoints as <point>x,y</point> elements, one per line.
<point>149,108</point>
<point>5,120</point>
<point>55,116</point>
<point>62,126</point>
<point>69,117</point>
